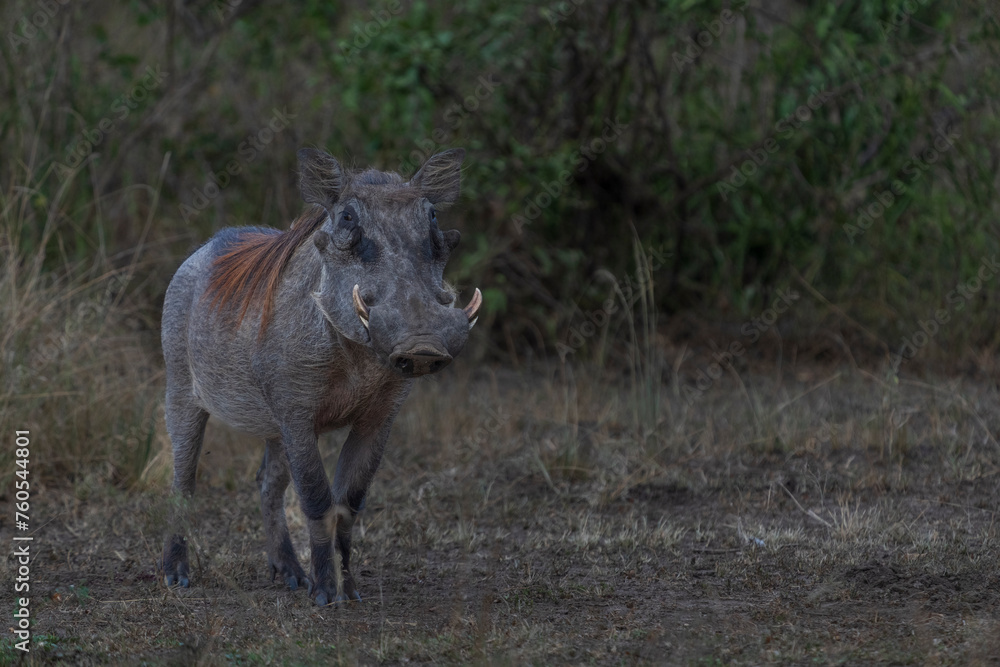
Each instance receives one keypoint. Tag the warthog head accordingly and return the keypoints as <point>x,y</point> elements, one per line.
<point>384,258</point>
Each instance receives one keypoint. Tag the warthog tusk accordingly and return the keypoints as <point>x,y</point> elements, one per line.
<point>472,310</point>
<point>360,308</point>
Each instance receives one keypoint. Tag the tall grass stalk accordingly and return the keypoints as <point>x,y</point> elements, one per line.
<point>644,358</point>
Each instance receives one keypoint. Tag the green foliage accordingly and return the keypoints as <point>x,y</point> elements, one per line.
<point>582,121</point>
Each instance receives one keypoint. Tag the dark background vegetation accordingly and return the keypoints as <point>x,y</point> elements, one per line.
<point>895,81</point>
<point>526,89</point>
<point>597,213</point>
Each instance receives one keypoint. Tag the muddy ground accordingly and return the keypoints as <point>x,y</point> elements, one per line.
<point>787,515</point>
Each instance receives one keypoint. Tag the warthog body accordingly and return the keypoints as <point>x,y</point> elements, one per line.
<point>287,335</point>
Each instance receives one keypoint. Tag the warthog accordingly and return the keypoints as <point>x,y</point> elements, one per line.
<point>287,335</point>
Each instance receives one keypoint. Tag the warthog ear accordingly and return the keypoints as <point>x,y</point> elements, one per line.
<point>321,180</point>
<point>440,179</point>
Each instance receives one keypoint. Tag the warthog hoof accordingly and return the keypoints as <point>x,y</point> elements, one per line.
<point>350,592</point>
<point>323,593</point>
<point>178,579</point>
<point>291,572</point>
<point>175,566</point>
<point>343,598</point>
<point>326,593</point>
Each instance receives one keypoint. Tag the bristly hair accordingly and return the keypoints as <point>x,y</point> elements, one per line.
<point>248,273</point>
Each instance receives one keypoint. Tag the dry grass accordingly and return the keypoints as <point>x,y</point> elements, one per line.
<point>808,516</point>
<point>80,362</point>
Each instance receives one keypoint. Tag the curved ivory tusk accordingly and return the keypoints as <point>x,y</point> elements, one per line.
<point>472,310</point>
<point>359,307</point>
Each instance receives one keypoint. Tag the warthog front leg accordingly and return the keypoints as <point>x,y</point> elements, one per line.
<point>272,478</point>
<point>359,460</point>
<point>313,489</point>
<point>186,427</point>
<point>332,514</point>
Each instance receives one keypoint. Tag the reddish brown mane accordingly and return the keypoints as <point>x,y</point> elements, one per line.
<point>248,273</point>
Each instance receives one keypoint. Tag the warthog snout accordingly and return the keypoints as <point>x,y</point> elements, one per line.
<point>419,357</point>
<point>413,355</point>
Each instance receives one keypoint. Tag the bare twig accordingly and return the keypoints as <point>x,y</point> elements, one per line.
<point>808,513</point>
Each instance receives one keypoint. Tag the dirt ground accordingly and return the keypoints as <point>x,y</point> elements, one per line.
<point>787,515</point>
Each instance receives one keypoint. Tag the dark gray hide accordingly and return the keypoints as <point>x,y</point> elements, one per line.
<point>332,355</point>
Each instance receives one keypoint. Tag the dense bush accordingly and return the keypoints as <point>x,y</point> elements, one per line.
<point>748,148</point>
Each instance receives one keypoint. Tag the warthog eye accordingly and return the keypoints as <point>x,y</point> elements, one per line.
<point>348,233</point>
<point>347,220</point>
<point>434,215</point>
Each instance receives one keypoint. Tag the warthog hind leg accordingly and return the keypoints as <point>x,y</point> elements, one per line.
<point>186,427</point>
<point>272,478</point>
